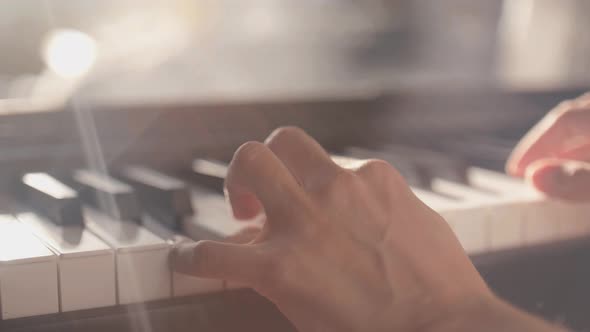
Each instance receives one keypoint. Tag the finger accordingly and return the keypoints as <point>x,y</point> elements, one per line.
<point>379,172</point>
<point>584,98</point>
<point>245,205</point>
<point>551,135</point>
<point>563,179</point>
<point>309,163</point>
<point>244,236</point>
<point>579,152</point>
<point>209,259</point>
<point>255,170</point>
<point>384,178</point>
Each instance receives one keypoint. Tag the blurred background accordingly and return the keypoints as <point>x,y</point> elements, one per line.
<point>270,49</point>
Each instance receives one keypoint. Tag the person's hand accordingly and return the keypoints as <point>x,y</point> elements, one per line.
<point>554,155</point>
<point>342,249</point>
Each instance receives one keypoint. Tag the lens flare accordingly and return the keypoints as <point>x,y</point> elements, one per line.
<point>69,53</point>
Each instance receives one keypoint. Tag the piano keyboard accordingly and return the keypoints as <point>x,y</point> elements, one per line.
<point>91,240</point>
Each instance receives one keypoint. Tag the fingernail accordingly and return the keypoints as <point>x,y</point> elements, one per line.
<point>550,179</point>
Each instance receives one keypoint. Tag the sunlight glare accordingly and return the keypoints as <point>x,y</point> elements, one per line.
<point>69,53</point>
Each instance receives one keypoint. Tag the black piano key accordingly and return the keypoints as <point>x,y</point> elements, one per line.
<point>8,204</point>
<point>481,151</point>
<point>414,176</point>
<point>165,192</point>
<point>432,163</point>
<point>113,197</point>
<point>209,173</point>
<point>52,198</point>
<point>163,197</point>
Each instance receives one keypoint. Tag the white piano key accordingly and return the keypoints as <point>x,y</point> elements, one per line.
<point>470,226</point>
<point>468,220</point>
<point>555,219</point>
<point>209,173</point>
<point>436,164</point>
<point>506,227</point>
<point>6,218</point>
<point>505,224</point>
<point>576,223</point>
<point>461,191</point>
<point>492,180</point>
<point>28,273</point>
<point>539,216</point>
<point>86,263</point>
<point>212,168</point>
<point>473,217</point>
<point>433,200</point>
<point>213,219</point>
<point>541,223</point>
<point>182,284</point>
<point>143,272</point>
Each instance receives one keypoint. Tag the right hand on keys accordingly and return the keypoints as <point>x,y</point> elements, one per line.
<point>555,154</point>
<point>345,249</point>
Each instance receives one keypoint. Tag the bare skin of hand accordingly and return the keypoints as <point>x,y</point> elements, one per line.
<point>554,156</point>
<point>346,249</point>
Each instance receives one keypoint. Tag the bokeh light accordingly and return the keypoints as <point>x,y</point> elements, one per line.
<point>69,53</point>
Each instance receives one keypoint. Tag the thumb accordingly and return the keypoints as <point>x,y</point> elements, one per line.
<point>564,179</point>
<point>210,259</point>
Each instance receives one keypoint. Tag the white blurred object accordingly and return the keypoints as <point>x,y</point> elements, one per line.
<point>236,49</point>
<point>185,50</point>
<point>542,42</point>
<point>69,53</point>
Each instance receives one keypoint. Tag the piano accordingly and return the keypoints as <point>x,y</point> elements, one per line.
<point>94,197</point>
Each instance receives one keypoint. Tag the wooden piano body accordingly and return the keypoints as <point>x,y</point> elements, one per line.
<point>550,280</point>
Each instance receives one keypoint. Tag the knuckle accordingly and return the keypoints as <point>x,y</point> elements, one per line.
<point>246,153</point>
<point>285,134</point>
<point>340,188</point>
<point>377,166</point>
<point>345,179</point>
<point>380,169</point>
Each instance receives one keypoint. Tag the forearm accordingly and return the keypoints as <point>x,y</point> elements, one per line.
<point>492,316</point>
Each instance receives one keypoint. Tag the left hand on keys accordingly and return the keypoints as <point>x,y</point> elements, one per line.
<point>555,154</point>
